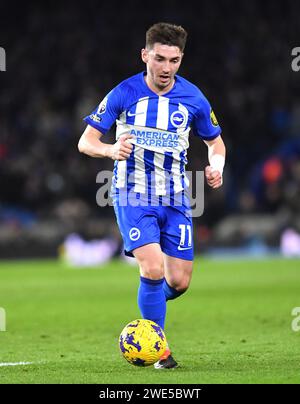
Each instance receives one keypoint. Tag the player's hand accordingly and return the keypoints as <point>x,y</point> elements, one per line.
<point>122,148</point>
<point>213,177</point>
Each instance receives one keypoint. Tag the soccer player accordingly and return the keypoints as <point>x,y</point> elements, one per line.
<point>154,112</point>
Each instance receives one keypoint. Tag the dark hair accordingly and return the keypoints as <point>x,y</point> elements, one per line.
<point>166,34</point>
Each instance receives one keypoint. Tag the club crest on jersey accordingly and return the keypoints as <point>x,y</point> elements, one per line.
<point>134,234</point>
<point>178,119</point>
<point>213,118</point>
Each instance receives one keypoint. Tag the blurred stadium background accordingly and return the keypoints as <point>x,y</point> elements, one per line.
<point>62,59</point>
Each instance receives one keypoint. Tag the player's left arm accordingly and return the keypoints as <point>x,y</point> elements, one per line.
<point>216,158</point>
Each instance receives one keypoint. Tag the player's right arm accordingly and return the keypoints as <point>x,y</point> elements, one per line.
<point>99,123</point>
<point>90,143</point>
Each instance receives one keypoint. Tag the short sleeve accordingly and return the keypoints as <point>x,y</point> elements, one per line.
<point>105,115</point>
<point>205,123</point>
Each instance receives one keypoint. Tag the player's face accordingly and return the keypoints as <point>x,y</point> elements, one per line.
<point>162,62</point>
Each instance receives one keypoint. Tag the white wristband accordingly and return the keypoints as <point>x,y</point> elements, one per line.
<point>217,162</point>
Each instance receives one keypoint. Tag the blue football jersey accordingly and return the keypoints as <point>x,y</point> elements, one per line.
<point>160,125</point>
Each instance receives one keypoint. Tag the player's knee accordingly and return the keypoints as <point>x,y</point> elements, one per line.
<point>181,288</point>
<point>152,271</point>
<point>181,284</point>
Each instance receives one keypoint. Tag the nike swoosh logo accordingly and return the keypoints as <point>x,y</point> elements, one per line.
<point>184,248</point>
<point>131,114</point>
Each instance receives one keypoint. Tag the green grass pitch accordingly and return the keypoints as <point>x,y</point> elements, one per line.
<point>232,326</point>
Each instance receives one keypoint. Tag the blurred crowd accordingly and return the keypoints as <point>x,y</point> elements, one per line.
<point>62,58</point>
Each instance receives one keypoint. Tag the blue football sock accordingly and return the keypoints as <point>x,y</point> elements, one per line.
<point>152,301</point>
<point>170,293</point>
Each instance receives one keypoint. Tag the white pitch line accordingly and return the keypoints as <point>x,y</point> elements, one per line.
<point>16,364</point>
